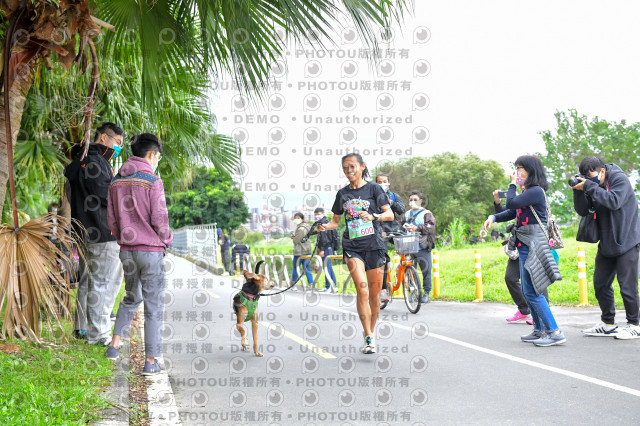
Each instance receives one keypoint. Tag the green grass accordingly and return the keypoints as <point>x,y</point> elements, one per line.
<point>59,385</point>
<point>54,385</point>
<point>457,280</point>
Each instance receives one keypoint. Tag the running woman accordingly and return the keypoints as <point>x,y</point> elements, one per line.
<point>363,248</point>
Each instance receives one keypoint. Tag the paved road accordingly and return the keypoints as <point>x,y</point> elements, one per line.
<point>452,363</point>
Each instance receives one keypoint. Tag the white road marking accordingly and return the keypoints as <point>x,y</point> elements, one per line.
<point>313,348</point>
<point>578,376</point>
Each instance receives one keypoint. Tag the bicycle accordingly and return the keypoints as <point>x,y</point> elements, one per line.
<point>406,274</point>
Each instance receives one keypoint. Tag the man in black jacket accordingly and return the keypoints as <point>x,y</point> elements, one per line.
<point>101,271</point>
<point>608,190</point>
<point>328,243</point>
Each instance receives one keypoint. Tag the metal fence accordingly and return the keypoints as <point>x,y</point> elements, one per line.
<point>199,242</point>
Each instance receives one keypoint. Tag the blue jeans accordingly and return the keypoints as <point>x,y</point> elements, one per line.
<point>542,317</point>
<point>329,252</point>
<point>305,265</point>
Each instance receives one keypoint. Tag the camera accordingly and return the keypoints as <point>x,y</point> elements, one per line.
<point>574,180</point>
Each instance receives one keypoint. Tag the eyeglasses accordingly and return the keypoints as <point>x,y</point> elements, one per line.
<point>119,142</point>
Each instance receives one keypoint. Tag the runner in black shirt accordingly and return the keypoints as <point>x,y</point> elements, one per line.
<point>363,248</point>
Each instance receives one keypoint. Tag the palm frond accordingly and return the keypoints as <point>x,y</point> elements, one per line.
<point>32,288</point>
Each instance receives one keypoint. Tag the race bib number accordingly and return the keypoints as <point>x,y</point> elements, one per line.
<point>360,228</point>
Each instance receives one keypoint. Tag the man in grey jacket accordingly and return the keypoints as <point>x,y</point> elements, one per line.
<point>608,190</point>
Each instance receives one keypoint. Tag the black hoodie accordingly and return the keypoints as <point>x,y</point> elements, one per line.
<point>616,211</point>
<point>89,182</point>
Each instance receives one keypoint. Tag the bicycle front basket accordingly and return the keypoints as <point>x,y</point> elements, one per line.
<point>406,244</point>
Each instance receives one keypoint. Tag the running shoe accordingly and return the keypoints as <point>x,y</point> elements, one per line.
<point>151,369</point>
<point>384,295</point>
<point>518,317</point>
<point>112,353</point>
<point>533,336</point>
<point>601,330</point>
<point>369,345</point>
<point>551,339</point>
<point>631,331</point>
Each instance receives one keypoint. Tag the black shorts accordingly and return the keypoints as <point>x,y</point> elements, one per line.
<point>371,259</point>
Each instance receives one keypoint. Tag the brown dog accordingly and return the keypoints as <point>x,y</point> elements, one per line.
<point>245,304</point>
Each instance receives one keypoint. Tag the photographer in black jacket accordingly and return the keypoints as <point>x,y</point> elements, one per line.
<point>607,189</point>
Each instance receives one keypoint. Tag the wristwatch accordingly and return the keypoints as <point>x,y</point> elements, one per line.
<point>375,217</point>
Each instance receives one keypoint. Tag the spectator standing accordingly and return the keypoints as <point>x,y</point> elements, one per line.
<point>538,268</point>
<point>224,244</point>
<point>512,278</point>
<point>608,190</point>
<point>327,243</point>
<point>237,255</point>
<point>100,271</point>
<point>301,248</point>
<point>139,220</point>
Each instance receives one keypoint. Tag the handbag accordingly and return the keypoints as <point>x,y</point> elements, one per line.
<point>553,231</point>
<point>588,229</point>
<point>512,254</point>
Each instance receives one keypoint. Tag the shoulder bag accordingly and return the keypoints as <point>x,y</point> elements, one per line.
<point>552,232</point>
<point>588,229</point>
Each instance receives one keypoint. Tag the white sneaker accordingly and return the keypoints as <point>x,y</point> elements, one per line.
<point>629,332</point>
<point>601,330</point>
<point>384,295</point>
<point>369,345</point>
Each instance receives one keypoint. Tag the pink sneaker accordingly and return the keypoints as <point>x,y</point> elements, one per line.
<point>518,317</point>
<point>530,321</point>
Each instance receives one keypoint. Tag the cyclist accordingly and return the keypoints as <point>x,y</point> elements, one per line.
<point>421,220</point>
<point>362,245</point>
<point>397,206</point>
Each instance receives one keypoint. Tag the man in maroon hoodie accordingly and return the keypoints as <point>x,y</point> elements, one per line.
<point>138,218</point>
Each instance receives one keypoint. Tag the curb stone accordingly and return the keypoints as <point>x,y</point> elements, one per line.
<point>118,393</point>
<point>161,400</point>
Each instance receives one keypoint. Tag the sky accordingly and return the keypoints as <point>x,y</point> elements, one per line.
<point>465,76</point>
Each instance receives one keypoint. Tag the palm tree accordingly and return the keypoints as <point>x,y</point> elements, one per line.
<point>172,46</point>
<point>176,43</point>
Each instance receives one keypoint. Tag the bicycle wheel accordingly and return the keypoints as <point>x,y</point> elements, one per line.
<point>411,289</point>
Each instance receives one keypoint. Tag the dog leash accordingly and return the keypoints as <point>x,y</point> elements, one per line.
<point>304,239</point>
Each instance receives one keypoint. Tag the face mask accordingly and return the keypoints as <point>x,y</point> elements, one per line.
<point>297,221</point>
<point>520,180</point>
<point>595,179</point>
<point>318,217</point>
<point>117,150</point>
<point>414,204</point>
<point>155,167</point>
<point>385,186</point>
